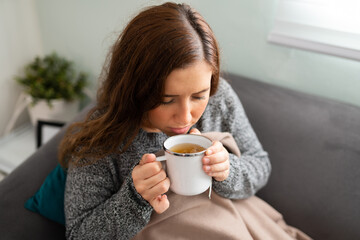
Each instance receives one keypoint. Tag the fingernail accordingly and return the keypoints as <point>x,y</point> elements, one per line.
<point>206,160</point>
<point>207,168</point>
<point>209,152</point>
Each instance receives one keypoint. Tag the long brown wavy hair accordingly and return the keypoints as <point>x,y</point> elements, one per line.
<point>157,41</point>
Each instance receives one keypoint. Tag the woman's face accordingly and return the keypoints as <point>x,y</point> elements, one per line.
<point>187,93</point>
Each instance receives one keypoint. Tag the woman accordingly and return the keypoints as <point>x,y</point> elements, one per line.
<point>162,79</point>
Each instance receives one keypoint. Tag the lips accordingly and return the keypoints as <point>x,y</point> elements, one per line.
<point>180,130</point>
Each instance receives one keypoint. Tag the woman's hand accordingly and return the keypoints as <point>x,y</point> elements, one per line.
<point>151,182</point>
<point>216,160</point>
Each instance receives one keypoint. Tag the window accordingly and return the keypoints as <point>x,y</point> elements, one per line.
<point>326,26</point>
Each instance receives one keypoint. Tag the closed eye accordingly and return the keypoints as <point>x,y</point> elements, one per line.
<point>199,98</point>
<point>167,102</point>
<point>171,98</point>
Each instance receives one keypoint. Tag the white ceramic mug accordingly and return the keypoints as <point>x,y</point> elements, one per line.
<point>184,170</point>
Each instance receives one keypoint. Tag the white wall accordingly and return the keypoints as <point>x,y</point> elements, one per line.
<point>83,30</point>
<point>241,27</point>
<point>20,41</point>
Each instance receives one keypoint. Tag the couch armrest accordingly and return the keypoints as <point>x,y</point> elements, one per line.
<point>17,222</point>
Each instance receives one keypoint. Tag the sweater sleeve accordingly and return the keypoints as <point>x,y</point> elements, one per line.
<point>96,208</point>
<point>250,171</point>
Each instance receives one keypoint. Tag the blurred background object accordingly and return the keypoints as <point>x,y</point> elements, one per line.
<point>84,30</point>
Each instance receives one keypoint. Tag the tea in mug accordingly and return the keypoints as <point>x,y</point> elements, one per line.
<point>187,148</point>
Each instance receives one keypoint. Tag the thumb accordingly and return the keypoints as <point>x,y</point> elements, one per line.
<point>147,158</point>
<point>195,131</point>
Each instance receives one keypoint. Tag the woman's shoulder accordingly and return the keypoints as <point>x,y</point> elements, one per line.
<point>221,110</point>
<point>223,86</point>
<point>225,95</point>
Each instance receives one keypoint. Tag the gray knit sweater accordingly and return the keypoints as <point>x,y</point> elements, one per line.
<point>102,203</point>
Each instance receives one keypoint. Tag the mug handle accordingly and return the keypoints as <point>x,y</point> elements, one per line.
<point>160,158</point>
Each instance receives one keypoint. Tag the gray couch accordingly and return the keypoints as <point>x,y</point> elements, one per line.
<point>314,147</point>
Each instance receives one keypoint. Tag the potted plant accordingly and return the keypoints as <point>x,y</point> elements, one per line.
<point>53,88</point>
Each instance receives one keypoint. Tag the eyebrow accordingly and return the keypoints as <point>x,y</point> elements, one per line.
<point>166,95</point>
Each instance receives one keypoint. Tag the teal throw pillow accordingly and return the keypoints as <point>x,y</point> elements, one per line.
<point>49,199</point>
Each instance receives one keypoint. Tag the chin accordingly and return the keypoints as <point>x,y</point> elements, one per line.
<point>170,134</point>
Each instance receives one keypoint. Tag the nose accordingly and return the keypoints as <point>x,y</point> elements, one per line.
<point>184,114</point>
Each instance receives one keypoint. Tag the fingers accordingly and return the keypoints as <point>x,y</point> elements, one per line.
<point>151,182</point>
<point>220,176</point>
<point>160,203</point>
<point>216,147</point>
<point>216,162</point>
<point>219,171</point>
<point>215,154</point>
<point>216,168</point>
<point>147,167</point>
<point>147,158</point>
<point>159,189</point>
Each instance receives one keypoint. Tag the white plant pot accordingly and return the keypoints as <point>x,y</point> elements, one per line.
<point>61,111</point>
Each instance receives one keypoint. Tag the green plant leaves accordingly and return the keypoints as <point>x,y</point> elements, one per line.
<point>52,77</point>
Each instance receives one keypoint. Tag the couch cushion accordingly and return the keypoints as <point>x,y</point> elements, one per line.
<point>18,187</point>
<point>16,221</point>
<point>314,147</point>
<point>49,199</point>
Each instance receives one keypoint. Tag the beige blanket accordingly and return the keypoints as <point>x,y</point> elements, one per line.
<point>198,217</point>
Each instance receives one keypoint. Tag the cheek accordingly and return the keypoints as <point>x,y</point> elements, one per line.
<point>199,110</point>
<point>156,116</point>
